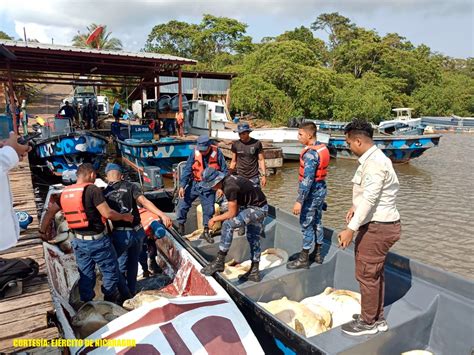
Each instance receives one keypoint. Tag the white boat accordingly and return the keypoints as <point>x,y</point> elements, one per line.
<point>284,138</point>
<point>402,124</point>
<point>195,314</point>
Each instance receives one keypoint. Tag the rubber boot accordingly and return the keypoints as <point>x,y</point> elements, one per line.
<point>181,228</point>
<point>301,263</point>
<point>154,267</point>
<point>216,265</point>
<point>253,274</point>
<point>315,255</point>
<point>207,236</point>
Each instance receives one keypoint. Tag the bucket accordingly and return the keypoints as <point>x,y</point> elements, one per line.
<point>217,211</point>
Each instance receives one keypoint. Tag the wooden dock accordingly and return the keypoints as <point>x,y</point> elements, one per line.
<point>27,315</point>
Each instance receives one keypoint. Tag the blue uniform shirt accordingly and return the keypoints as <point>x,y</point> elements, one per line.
<point>187,174</point>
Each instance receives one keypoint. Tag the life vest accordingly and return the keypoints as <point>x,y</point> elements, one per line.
<point>324,157</point>
<point>73,207</point>
<point>147,218</point>
<point>198,166</point>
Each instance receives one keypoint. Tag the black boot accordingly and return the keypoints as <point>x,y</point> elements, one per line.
<point>207,236</point>
<point>215,265</point>
<point>315,255</point>
<point>301,263</point>
<point>252,275</point>
<point>115,297</point>
<point>181,228</point>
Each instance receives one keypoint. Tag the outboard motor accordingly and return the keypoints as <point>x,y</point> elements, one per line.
<point>152,179</point>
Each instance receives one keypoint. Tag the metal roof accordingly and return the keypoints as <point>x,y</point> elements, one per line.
<point>40,57</point>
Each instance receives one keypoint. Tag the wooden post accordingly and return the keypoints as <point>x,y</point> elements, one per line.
<point>180,92</point>
<point>12,97</point>
<point>141,99</point>
<point>209,122</point>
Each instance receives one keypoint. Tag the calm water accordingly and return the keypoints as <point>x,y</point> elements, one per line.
<point>436,202</point>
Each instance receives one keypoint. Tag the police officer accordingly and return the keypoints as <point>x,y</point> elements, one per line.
<point>314,161</point>
<point>128,237</point>
<point>205,155</point>
<point>84,208</point>
<point>247,206</point>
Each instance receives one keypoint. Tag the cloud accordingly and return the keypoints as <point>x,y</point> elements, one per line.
<point>132,21</point>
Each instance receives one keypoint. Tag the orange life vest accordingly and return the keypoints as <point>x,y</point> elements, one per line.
<point>324,157</point>
<point>198,166</point>
<point>73,207</point>
<point>147,218</point>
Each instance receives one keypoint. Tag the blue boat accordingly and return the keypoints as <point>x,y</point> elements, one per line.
<point>60,148</point>
<point>139,150</point>
<point>453,124</point>
<point>399,149</point>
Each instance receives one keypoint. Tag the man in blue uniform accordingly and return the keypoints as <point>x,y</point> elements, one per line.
<point>247,208</point>
<point>314,161</point>
<point>205,155</point>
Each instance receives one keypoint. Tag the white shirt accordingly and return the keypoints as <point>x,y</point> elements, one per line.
<point>375,189</point>
<point>8,219</point>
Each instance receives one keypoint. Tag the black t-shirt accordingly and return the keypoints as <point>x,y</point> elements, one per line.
<point>247,157</point>
<point>91,198</point>
<point>242,190</point>
<point>121,197</point>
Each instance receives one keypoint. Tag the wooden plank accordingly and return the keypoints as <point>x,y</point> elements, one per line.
<point>34,298</point>
<point>6,346</point>
<point>15,329</point>
<point>23,314</point>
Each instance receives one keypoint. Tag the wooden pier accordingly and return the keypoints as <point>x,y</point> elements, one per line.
<point>27,315</point>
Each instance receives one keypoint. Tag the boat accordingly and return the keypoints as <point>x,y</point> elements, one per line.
<point>453,124</point>
<point>400,149</point>
<point>402,124</point>
<point>60,147</point>
<point>426,308</point>
<point>284,137</point>
<point>139,150</point>
<point>191,313</point>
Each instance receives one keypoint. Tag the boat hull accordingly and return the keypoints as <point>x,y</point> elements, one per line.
<point>419,300</point>
<point>161,154</point>
<point>399,149</point>
<point>195,316</point>
<point>67,151</point>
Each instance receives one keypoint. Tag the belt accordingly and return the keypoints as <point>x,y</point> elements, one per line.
<point>393,222</point>
<point>89,237</point>
<point>136,228</point>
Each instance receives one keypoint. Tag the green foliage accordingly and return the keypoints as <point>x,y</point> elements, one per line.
<point>102,42</point>
<point>366,97</point>
<point>253,94</point>
<point>212,41</point>
<point>3,35</point>
<point>357,73</point>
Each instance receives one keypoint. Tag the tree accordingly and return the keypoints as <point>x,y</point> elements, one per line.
<point>102,42</point>
<point>213,37</point>
<point>3,35</point>
<point>304,35</point>
<point>339,28</point>
<point>251,93</point>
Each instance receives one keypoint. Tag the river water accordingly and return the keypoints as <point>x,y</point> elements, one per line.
<point>436,202</point>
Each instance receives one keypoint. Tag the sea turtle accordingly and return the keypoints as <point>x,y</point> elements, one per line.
<point>145,297</point>
<point>94,315</point>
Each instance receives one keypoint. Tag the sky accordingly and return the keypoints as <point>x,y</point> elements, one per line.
<point>446,26</point>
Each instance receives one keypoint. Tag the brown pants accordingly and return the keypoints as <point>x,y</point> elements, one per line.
<point>371,247</point>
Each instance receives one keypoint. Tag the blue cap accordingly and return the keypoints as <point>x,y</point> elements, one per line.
<point>243,127</point>
<point>203,142</point>
<point>113,166</point>
<point>211,177</point>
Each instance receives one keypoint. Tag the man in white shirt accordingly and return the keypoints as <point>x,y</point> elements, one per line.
<point>375,216</point>
<point>10,154</point>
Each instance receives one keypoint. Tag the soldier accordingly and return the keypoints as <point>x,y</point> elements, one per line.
<point>205,154</point>
<point>314,161</point>
<point>128,237</point>
<point>84,208</point>
<point>247,207</point>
